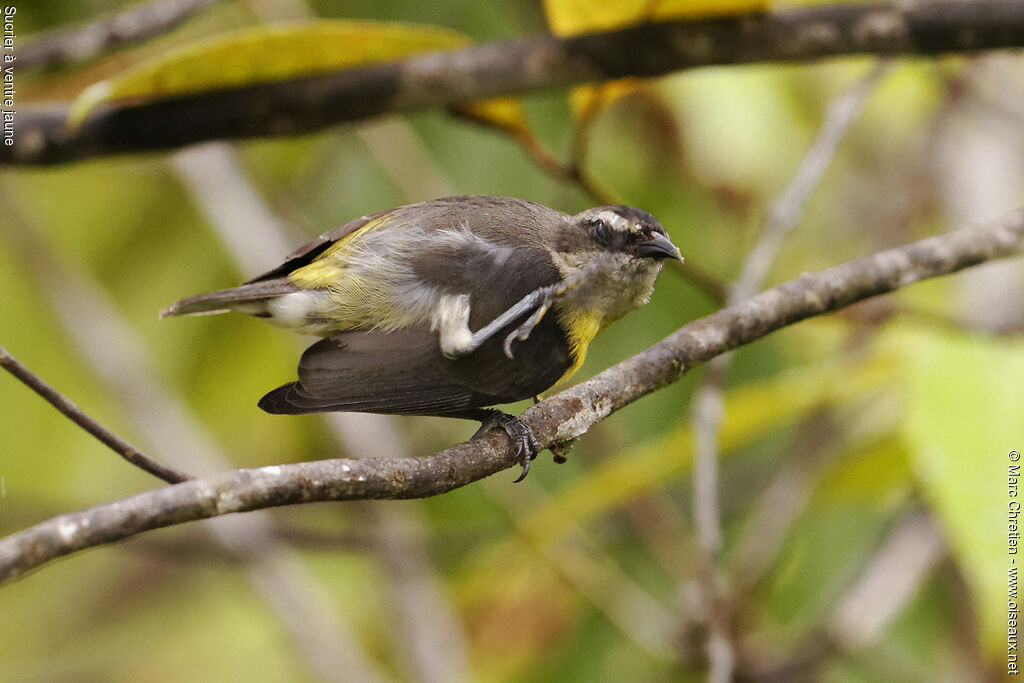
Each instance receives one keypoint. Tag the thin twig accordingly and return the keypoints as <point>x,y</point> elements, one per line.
<point>787,209</point>
<point>66,407</point>
<point>782,218</point>
<point>79,43</point>
<point>887,583</point>
<point>565,416</point>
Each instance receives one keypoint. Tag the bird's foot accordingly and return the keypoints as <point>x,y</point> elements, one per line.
<point>524,442</point>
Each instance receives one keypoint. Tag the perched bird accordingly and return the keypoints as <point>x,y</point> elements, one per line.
<point>439,308</point>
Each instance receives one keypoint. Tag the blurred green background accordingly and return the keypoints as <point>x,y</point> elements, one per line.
<point>878,432</point>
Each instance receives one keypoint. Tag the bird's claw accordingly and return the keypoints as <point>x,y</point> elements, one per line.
<point>525,446</point>
<point>525,443</point>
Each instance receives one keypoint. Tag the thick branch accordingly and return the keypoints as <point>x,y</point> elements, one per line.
<point>529,64</point>
<point>560,418</point>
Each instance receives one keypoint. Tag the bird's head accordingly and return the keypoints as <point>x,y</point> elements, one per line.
<point>613,254</point>
<point>624,230</point>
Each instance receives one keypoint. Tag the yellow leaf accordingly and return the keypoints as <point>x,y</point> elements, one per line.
<point>572,17</point>
<point>588,100</point>
<point>503,113</point>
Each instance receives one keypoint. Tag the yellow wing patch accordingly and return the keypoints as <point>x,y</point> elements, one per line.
<point>353,302</point>
<point>327,271</point>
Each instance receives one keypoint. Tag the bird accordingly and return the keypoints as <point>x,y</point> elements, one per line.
<point>441,308</point>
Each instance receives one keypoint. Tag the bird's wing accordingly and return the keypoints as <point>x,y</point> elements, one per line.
<point>399,372</point>
<point>403,372</point>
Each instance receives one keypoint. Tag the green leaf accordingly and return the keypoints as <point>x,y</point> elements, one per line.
<point>965,414</point>
<point>266,54</point>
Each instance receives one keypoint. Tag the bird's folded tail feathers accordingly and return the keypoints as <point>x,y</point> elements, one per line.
<point>279,402</point>
<point>224,300</point>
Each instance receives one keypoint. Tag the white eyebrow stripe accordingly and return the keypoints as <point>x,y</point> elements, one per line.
<point>618,222</point>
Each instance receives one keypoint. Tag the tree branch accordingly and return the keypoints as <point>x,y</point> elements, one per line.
<point>561,418</point>
<point>520,66</point>
<point>87,41</point>
<point>66,407</point>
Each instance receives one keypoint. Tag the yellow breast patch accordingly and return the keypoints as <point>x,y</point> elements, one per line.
<point>581,328</point>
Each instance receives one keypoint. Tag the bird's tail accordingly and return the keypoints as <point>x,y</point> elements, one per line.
<point>246,299</point>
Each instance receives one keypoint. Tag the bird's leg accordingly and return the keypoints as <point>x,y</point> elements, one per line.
<point>524,442</point>
<point>457,340</point>
<point>546,297</point>
<point>522,333</point>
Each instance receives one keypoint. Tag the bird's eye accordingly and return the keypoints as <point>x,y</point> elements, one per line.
<point>602,233</point>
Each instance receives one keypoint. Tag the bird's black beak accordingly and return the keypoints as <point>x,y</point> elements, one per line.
<point>659,247</point>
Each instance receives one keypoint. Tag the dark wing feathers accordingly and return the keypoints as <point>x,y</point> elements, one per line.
<point>398,372</point>
<point>403,372</point>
